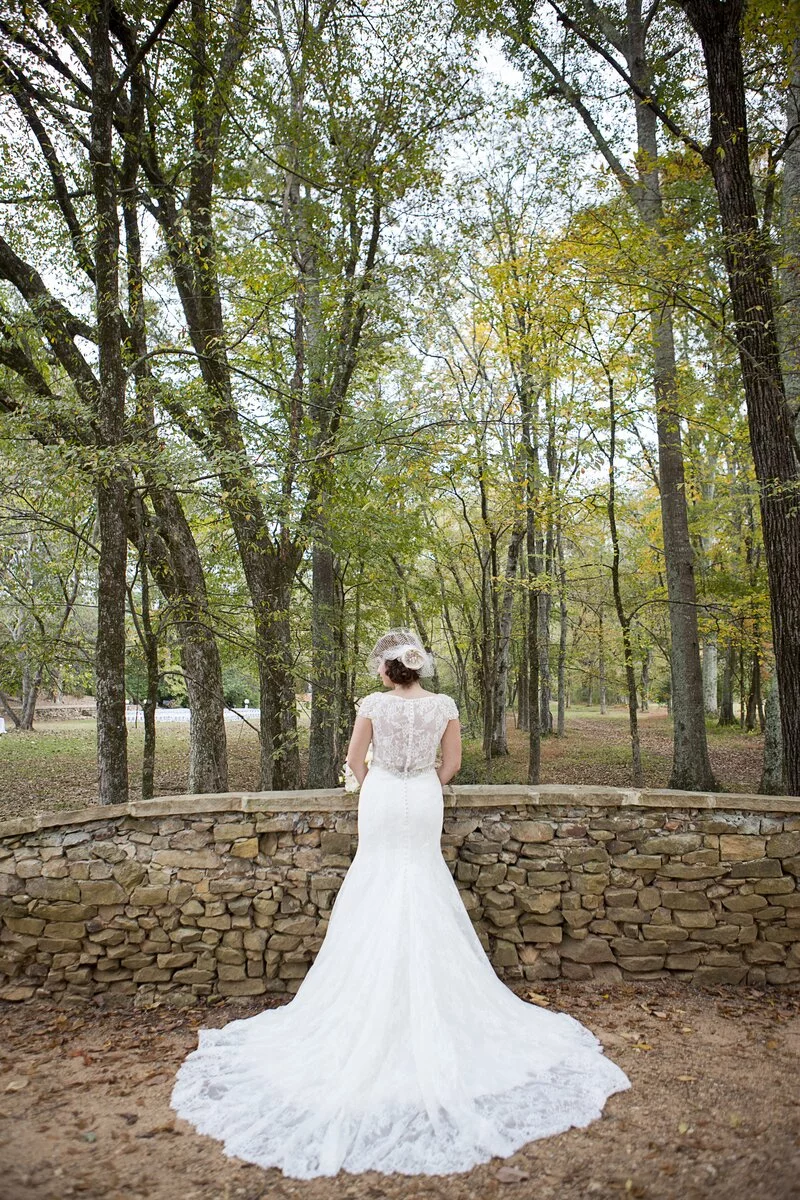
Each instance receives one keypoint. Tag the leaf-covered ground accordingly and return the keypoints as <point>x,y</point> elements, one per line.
<point>714,1110</point>
<point>55,766</point>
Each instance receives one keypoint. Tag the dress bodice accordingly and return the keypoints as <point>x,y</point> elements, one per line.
<point>406,731</point>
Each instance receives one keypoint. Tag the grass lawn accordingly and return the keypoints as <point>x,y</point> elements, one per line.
<point>55,766</point>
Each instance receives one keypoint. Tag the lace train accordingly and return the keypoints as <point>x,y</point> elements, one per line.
<point>402,1051</point>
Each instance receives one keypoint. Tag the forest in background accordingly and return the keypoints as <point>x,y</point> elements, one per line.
<point>484,320</point>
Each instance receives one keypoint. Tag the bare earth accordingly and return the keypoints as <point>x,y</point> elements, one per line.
<point>714,1110</point>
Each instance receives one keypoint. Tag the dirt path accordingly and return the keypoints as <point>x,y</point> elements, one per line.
<point>714,1111</point>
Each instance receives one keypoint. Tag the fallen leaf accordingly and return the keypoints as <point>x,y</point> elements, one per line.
<point>537,998</point>
<point>685,1078</point>
<point>16,1085</point>
<point>683,1127</point>
<point>642,1046</point>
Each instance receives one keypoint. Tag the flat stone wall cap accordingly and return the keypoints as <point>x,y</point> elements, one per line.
<point>79,816</point>
<point>550,795</point>
<point>17,825</point>
<point>163,806</point>
<point>309,800</point>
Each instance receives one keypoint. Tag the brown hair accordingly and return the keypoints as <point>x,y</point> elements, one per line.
<point>398,673</point>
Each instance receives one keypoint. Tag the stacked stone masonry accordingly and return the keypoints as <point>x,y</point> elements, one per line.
<point>187,897</point>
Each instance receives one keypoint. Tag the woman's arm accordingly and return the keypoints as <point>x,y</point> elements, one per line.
<point>451,752</point>
<point>359,744</point>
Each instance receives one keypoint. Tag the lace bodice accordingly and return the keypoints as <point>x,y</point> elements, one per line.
<point>406,732</point>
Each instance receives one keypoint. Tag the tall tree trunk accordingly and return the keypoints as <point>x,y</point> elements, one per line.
<point>622,616</point>
<point>545,604</point>
<point>532,572</point>
<point>322,765</point>
<point>563,614</point>
<point>691,766</point>
<point>112,734</point>
<point>601,660</point>
<point>755,711</point>
<point>710,676</point>
<point>789,270</point>
<point>500,732</point>
<point>647,662</point>
<point>772,781</point>
<point>749,268</point>
<point>178,569</point>
<point>149,640</point>
<point>31,684</point>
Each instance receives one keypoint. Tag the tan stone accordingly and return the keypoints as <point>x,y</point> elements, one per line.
<point>739,847</point>
<point>16,993</point>
<point>642,965</point>
<point>747,903</point>
<point>627,916</point>
<point>671,843</point>
<point>241,987</point>
<point>52,889</point>
<point>695,920</point>
<point>765,952</point>
<point>192,975</point>
<point>682,962</point>
<point>103,891</point>
<point>174,961</point>
<point>588,950</point>
<point>245,848</point>
<point>783,845</point>
<point>533,901</point>
<point>775,887</point>
<point>65,929</point>
<point>335,844</point>
<point>668,933</point>
<point>687,901</point>
<point>532,831</point>
<point>632,947</point>
<point>714,975</point>
<point>29,925</point>
<point>129,874</point>
<point>637,862</point>
<point>197,860</point>
<point>542,933</point>
<point>545,879</point>
<point>151,975</point>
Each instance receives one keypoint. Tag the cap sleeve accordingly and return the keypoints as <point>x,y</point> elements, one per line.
<point>368,705</point>
<point>450,708</point>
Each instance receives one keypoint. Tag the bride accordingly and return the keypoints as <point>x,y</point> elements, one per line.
<point>402,1050</point>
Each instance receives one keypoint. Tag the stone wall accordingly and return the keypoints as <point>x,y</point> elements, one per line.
<point>185,897</point>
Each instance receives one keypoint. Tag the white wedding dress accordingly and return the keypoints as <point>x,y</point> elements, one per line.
<point>402,1050</point>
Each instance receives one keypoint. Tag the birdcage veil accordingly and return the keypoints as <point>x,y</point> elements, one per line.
<point>405,645</point>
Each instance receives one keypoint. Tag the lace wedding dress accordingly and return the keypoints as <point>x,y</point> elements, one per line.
<point>402,1050</point>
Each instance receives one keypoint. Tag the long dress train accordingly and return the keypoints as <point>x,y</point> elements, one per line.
<point>402,1051</point>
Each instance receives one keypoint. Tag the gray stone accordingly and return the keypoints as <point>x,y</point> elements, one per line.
<point>587,950</point>
<point>783,845</point>
<point>531,831</point>
<point>686,901</point>
<point>671,843</point>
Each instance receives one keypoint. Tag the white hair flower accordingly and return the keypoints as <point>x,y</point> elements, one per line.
<point>413,658</point>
